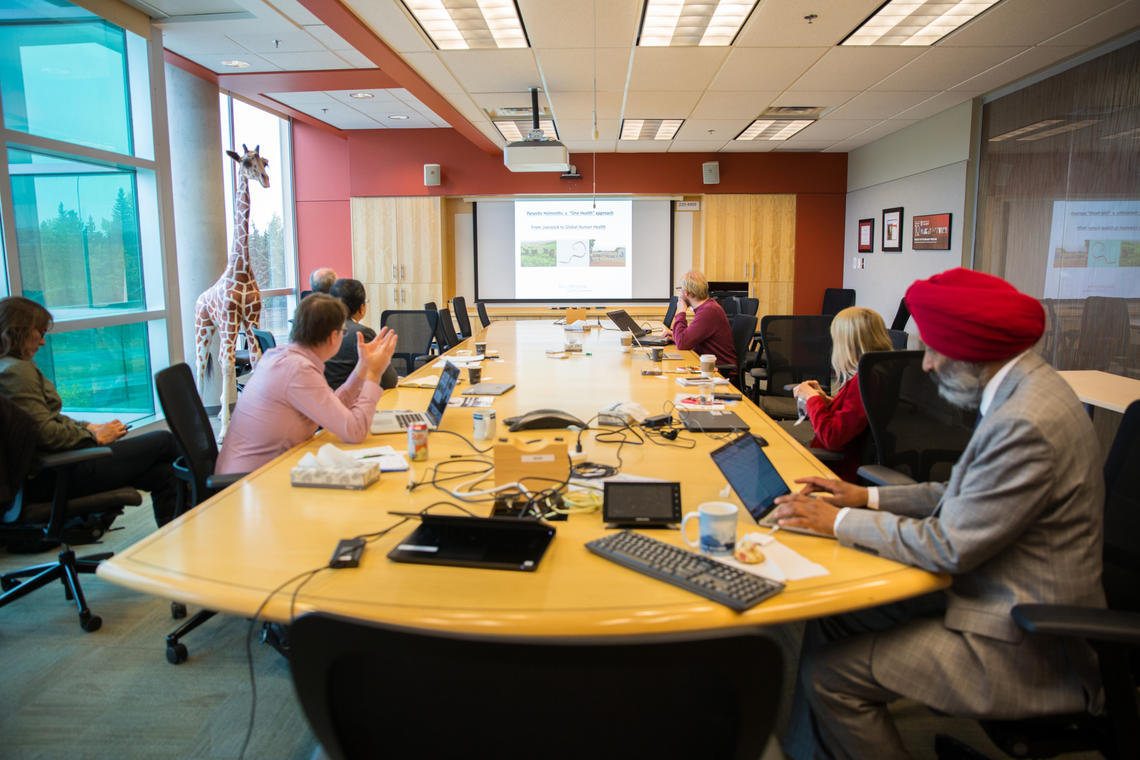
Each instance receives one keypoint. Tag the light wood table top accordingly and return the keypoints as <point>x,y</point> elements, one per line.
<point>1103,389</point>
<point>233,550</point>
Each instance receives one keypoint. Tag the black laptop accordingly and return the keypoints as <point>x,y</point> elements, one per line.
<point>712,421</point>
<point>621,318</point>
<point>498,543</point>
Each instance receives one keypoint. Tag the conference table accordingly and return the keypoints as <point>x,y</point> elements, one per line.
<point>1103,389</point>
<point>235,552</point>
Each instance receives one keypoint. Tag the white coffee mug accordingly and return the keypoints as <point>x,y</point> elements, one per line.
<point>716,529</point>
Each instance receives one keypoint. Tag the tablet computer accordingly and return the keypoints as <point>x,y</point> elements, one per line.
<point>751,474</point>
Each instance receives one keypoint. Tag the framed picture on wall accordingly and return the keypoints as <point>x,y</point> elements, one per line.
<point>866,236</point>
<point>931,232</point>
<point>892,229</point>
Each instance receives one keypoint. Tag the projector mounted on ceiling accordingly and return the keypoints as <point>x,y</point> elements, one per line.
<point>536,153</point>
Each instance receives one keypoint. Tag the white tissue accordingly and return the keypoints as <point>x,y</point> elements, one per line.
<point>308,461</point>
<point>330,456</point>
<point>726,491</point>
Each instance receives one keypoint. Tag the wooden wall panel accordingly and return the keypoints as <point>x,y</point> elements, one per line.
<point>773,238</point>
<point>728,225</point>
<point>374,239</point>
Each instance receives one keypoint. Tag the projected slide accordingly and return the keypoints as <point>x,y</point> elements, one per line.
<point>1094,249</point>
<point>573,249</point>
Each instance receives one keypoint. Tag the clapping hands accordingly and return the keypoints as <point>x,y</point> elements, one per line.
<point>375,355</point>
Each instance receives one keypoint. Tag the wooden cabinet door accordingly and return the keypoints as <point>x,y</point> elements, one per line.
<point>727,224</point>
<point>374,239</point>
<point>420,240</point>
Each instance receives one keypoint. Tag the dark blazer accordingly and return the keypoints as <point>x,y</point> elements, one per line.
<point>338,368</point>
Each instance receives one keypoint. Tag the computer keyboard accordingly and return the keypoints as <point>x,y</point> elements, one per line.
<point>403,420</point>
<point>713,580</point>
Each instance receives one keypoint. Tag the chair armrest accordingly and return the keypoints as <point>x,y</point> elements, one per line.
<point>878,475</point>
<point>827,455</point>
<point>1092,623</point>
<point>224,480</point>
<point>75,456</point>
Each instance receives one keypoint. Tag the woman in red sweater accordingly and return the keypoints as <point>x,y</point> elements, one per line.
<point>840,422</point>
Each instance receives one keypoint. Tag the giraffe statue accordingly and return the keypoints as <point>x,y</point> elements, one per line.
<point>232,305</point>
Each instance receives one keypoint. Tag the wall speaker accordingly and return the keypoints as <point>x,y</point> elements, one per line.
<point>711,172</point>
<point>431,175</point>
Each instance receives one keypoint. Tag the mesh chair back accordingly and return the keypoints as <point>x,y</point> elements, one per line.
<point>414,333</point>
<point>445,334</point>
<point>836,300</point>
<point>1104,337</point>
<point>190,426</point>
<point>482,309</point>
<point>797,348</point>
<point>430,306</point>
<point>730,305</point>
<point>670,312</point>
<point>902,316</point>
<point>915,430</point>
<point>337,664</point>
<point>459,306</point>
<point>1122,515</point>
<point>743,325</point>
<point>749,305</point>
<point>265,339</point>
<point>899,339</point>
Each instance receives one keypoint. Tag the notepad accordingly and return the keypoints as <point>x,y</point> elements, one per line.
<point>424,381</point>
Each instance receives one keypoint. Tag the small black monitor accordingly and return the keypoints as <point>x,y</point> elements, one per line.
<point>719,289</point>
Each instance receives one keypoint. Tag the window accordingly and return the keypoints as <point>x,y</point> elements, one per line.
<point>271,244</point>
<point>81,231</point>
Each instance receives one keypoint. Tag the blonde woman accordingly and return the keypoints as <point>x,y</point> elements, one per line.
<point>839,422</point>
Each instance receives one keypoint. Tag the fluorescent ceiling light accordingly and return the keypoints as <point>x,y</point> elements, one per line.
<point>515,131</point>
<point>398,116</point>
<point>1023,130</point>
<point>915,22</point>
<point>773,129</point>
<point>650,129</point>
<point>1058,130</point>
<point>1135,133</point>
<point>687,23</point>
<point>236,64</point>
<point>469,24</point>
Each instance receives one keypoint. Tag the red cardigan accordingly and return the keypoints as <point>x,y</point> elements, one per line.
<point>840,425</point>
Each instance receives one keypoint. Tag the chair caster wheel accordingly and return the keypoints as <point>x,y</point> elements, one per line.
<point>177,610</point>
<point>176,654</point>
<point>89,622</point>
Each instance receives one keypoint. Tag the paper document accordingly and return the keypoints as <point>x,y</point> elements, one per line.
<point>690,381</point>
<point>475,401</point>
<point>387,457</point>
<point>426,381</point>
<point>689,401</point>
<point>780,563</point>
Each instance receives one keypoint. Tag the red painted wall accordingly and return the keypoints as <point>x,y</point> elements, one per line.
<point>389,162</point>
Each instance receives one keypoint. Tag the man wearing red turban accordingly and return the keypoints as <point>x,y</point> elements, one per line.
<point>1019,522</point>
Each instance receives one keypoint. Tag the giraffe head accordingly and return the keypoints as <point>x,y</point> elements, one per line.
<point>252,164</point>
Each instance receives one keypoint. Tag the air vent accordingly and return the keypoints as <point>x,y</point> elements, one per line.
<point>794,112</point>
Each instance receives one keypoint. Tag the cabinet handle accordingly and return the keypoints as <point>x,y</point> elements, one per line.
<point>403,273</point>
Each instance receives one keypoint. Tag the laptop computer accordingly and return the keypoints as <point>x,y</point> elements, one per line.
<point>499,543</point>
<point>753,477</point>
<point>621,318</point>
<point>712,421</point>
<point>397,420</point>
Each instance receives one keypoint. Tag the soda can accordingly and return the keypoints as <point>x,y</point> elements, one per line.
<point>417,442</point>
<point>484,423</point>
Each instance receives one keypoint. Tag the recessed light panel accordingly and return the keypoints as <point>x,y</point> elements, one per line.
<point>1058,130</point>
<point>688,23</point>
<point>236,64</point>
<point>650,129</point>
<point>470,24</point>
<point>915,22</point>
<point>514,131</point>
<point>773,129</point>
<point>1024,130</point>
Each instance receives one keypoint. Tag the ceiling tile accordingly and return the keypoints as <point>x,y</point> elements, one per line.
<point>188,40</point>
<point>882,129</point>
<point>257,64</point>
<point>836,129</point>
<point>870,105</point>
<point>432,69</point>
<point>732,105</point>
<point>855,68</point>
<point>642,146</point>
<point>696,146</point>
<point>292,9</point>
<point>340,116</point>
<point>328,37</point>
<point>391,24</point>
<point>688,68</point>
<point>749,146</point>
<point>781,23</point>
<point>802,147</point>
<point>580,105</point>
<point>795,97</point>
<point>296,41</point>
<point>380,100</point>
<point>699,129</point>
<point>304,100</point>
<point>764,68</point>
<point>356,60</point>
<point>315,61</point>
<point>567,24</point>
<point>934,105</point>
<point>941,68</point>
<point>493,70</point>
<point>1027,63</point>
<point>589,146</point>
<point>1103,27</point>
<point>573,70</point>
<point>1024,22</point>
<point>660,105</point>
<point>583,129</point>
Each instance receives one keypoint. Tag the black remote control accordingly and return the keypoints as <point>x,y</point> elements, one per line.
<point>347,553</point>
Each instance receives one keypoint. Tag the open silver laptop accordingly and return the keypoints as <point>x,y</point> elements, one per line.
<point>397,420</point>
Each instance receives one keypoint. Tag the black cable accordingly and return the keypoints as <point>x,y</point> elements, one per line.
<point>465,439</point>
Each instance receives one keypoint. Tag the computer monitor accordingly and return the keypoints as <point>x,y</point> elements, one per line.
<point>719,289</point>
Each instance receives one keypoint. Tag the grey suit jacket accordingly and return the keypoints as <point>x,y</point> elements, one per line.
<point>1019,521</point>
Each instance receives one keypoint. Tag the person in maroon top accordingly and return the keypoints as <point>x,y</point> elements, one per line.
<point>709,332</point>
<point>840,422</point>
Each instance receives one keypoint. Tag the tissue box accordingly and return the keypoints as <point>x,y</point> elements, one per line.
<point>357,477</point>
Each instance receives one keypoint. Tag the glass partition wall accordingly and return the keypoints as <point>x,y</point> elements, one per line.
<point>79,202</point>
<point>1059,207</point>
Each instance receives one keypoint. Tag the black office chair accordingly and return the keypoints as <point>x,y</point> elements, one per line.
<point>836,300</point>
<point>459,307</point>
<point>242,362</point>
<point>1114,632</point>
<point>743,325</point>
<point>899,339</point>
<point>916,431</point>
<point>796,348</point>
<point>902,316</point>
<point>430,306</point>
<point>748,305</point>
<point>1105,336</point>
<point>415,331</point>
<point>670,312</point>
<point>482,309</point>
<point>730,305</point>
<point>445,338</point>
<point>27,526</point>
<point>369,689</point>
<point>198,453</point>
